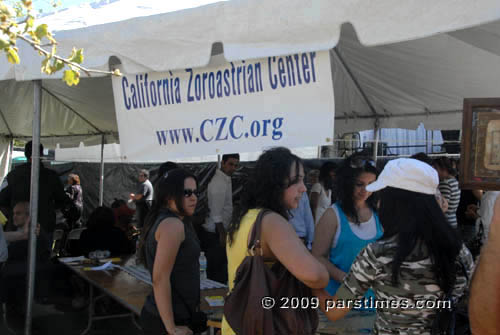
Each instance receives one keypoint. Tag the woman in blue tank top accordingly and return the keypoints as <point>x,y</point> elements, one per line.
<point>349,224</point>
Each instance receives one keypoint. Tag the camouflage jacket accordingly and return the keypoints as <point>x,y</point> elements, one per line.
<point>410,307</point>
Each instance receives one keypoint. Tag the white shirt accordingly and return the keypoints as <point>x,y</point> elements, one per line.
<point>220,201</point>
<point>324,201</point>
<point>364,230</point>
<point>486,211</point>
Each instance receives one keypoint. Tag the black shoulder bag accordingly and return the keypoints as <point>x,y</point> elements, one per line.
<point>453,320</point>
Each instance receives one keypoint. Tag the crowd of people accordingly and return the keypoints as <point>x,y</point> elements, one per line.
<point>360,234</point>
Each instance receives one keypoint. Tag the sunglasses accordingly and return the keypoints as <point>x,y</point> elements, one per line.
<point>188,192</point>
<point>359,162</point>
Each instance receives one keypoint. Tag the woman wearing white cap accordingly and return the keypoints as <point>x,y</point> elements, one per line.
<point>418,261</point>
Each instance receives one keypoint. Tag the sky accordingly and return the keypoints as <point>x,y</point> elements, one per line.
<point>46,5</point>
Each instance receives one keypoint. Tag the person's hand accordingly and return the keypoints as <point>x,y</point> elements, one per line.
<point>26,229</point>
<point>471,212</point>
<point>131,196</point>
<point>181,330</point>
<point>317,291</point>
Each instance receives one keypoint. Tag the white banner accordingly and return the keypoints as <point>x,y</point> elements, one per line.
<point>237,107</point>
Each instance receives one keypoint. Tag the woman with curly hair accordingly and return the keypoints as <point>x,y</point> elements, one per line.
<point>277,184</point>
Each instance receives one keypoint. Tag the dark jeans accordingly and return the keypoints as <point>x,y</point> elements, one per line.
<point>153,325</point>
<point>216,256</point>
<point>142,211</point>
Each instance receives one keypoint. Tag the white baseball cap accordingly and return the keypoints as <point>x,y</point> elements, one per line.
<point>407,174</point>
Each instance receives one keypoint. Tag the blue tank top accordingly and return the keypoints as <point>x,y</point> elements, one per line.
<point>348,247</point>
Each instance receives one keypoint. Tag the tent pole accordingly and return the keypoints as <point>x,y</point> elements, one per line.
<point>35,172</point>
<point>375,143</point>
<point>218,161</point>
<point>101,181</point>
<point>11,152</point>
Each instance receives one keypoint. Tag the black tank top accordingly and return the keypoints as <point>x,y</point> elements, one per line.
<point>185,276</point>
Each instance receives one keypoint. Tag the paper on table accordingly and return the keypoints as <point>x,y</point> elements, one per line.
<point>215,300</point>
<point>105,266</point>
<point>71,259</point>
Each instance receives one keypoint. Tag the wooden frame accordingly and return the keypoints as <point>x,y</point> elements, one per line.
<point>480,158</point>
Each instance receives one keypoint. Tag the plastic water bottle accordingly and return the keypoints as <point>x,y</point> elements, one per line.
<point>203,266</point>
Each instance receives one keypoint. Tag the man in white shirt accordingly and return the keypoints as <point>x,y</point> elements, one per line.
<point>220,204</point>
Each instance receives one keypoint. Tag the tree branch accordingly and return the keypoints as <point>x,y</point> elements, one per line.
<point>38,48</point>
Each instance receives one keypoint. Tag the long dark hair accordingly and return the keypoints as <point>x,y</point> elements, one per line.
<point>169,188</point>
<point>415,218</point>
<point>266,185</point>
<point>345,180</point>
<point>324,174</point>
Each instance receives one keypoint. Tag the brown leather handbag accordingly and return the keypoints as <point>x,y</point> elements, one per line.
<point>254,280</point>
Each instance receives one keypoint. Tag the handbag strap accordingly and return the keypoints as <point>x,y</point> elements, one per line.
<point>464,270</point>
<point>255,235</point>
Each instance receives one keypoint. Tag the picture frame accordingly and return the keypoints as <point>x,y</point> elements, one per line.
<point>480,146</point>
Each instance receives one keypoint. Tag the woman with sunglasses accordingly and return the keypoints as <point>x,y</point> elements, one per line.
<point>277,184</point>
<point>170,250</point>
<point>349,224</point>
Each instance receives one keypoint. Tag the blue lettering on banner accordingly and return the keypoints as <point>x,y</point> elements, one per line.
<point>146,84</point>
<point>211,85</point>
<point>205,76</point>
<point>277,123</point>
<point>281,72</point>
<point>197,87</point>
<point>187,133</point>
<point>189,96</point>
<point>153,93</point>
<point>224,130</point>
<point>134,97</point>
<point>227,90</point>
<point>255,128</point>
<point>273,81</point>
<point>221,128</point>
<point>231,127</point>
<point>174,136</point>
<point>126,99</point>
<point>236,79</point>
<point>202,130</point>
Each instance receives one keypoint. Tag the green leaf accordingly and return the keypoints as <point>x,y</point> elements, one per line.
<point>45,66</point>
<point>76,56</point>
<point>30,21</point>
<point>58,65</point>
<point>41,31</point>
<point>71,77</point>
<point>6,10</point>
<point>4,44</point>
<point>12,56</point>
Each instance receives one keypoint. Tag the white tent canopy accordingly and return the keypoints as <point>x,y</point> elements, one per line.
<point>424,57</point>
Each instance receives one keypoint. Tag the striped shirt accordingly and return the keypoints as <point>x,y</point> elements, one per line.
<point>451,192</point>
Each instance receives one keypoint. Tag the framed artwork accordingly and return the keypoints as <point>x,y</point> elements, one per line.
<point>480,158</point>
